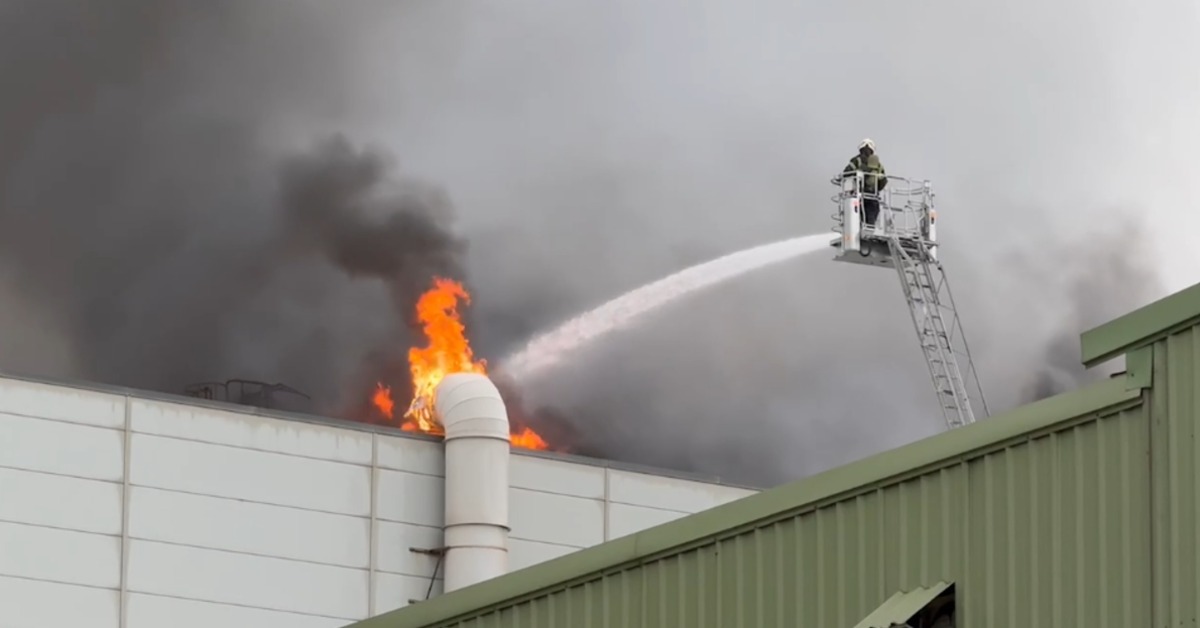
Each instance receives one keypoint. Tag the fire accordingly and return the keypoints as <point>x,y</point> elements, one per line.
<point>447,351</point>
<point>528,439</point>
<point>383,400</point>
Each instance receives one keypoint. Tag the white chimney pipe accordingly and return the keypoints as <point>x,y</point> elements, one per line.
<point>477,449</point>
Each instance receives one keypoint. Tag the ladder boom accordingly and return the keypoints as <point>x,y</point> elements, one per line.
<point>903,237</point>
<point>939,331</point>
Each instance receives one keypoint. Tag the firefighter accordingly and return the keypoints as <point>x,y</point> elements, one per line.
<point>874,179</point>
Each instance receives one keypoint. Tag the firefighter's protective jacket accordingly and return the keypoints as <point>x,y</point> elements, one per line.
<point>875,178</point>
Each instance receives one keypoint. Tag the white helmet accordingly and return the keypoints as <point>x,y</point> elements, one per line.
<point>868,143</point>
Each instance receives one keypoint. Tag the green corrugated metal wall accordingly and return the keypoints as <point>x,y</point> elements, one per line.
<point>1050,531</point>
<point>1175,408</point>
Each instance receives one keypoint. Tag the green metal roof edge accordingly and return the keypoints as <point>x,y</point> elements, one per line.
<point>902,606</point>
<point>1140,327</point>
<point>796,496</point>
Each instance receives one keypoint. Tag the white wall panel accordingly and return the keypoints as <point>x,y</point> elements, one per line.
<point>231,578</point>
<point>393,591</point>
<point>37,604</point>
<point>246,520</point>
<point>242,526</point>
<point>641,489</point>
<point>551,518</point>
<point>154,611</point>
<point>411,454</point>
<point>625,519</point>
<point>65,448</point>
<point>270,478</point>
<point>60,555</point>
<point>62,403</point>
<point>555,476</point>
<point>410,498</point>
<point>251,431</point>
<point>522,554</point>
<point>393,553</point>
<point>59,501</point>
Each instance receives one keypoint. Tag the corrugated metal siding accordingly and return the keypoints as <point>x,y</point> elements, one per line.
<point>1049,531</point>
<point>1175,408</point>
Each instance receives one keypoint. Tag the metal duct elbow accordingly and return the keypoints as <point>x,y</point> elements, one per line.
<point>477,450</point>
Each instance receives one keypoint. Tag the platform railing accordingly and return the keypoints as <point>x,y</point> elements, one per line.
<point>905,205</point>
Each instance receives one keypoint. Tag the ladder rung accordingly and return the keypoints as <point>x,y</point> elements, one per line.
<point>922,280</point>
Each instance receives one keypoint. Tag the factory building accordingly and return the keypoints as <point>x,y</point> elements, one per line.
<point>126,509</point>
<point>1077,510</point>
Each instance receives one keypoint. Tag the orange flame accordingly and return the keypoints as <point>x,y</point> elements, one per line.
<point>528,439</point>
<point>383,400</point>
<point>447,351</point>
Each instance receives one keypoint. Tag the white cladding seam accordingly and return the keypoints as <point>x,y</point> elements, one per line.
<point>123,595</point>
<point>373,529</point>
<point>607,504</point>
<point>477,449</point>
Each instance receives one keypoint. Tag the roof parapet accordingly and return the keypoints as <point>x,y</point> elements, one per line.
<point>1140,327</point>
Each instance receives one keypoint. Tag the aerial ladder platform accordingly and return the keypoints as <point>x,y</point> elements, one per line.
<point>904,237</point>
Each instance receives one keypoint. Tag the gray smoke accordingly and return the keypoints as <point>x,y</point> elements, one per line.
<point>328,202</point>
<point>157,230</point>
<point>1100,277</point>
<point>346,205</point>
<point>172,210</point>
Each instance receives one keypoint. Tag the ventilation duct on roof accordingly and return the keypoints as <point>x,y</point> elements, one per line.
<point>477,453</point>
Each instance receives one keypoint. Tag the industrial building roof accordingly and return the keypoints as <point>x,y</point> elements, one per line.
<point>1126,335</point>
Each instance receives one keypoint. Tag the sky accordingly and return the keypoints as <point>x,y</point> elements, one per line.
<point>204,190</point>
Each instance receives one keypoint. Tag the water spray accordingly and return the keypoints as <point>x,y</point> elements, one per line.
<point>549,348</point>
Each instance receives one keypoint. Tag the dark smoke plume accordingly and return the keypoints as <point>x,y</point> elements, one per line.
<point>341,203</point>
<point>170,211</point>
<point>153,230</point>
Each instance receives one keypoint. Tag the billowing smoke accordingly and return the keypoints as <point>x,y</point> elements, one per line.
<point>336,202</point>
<point>172,208</point>
<point>346,205</point>
<point>157,227</point>
<point>1101,276</point>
